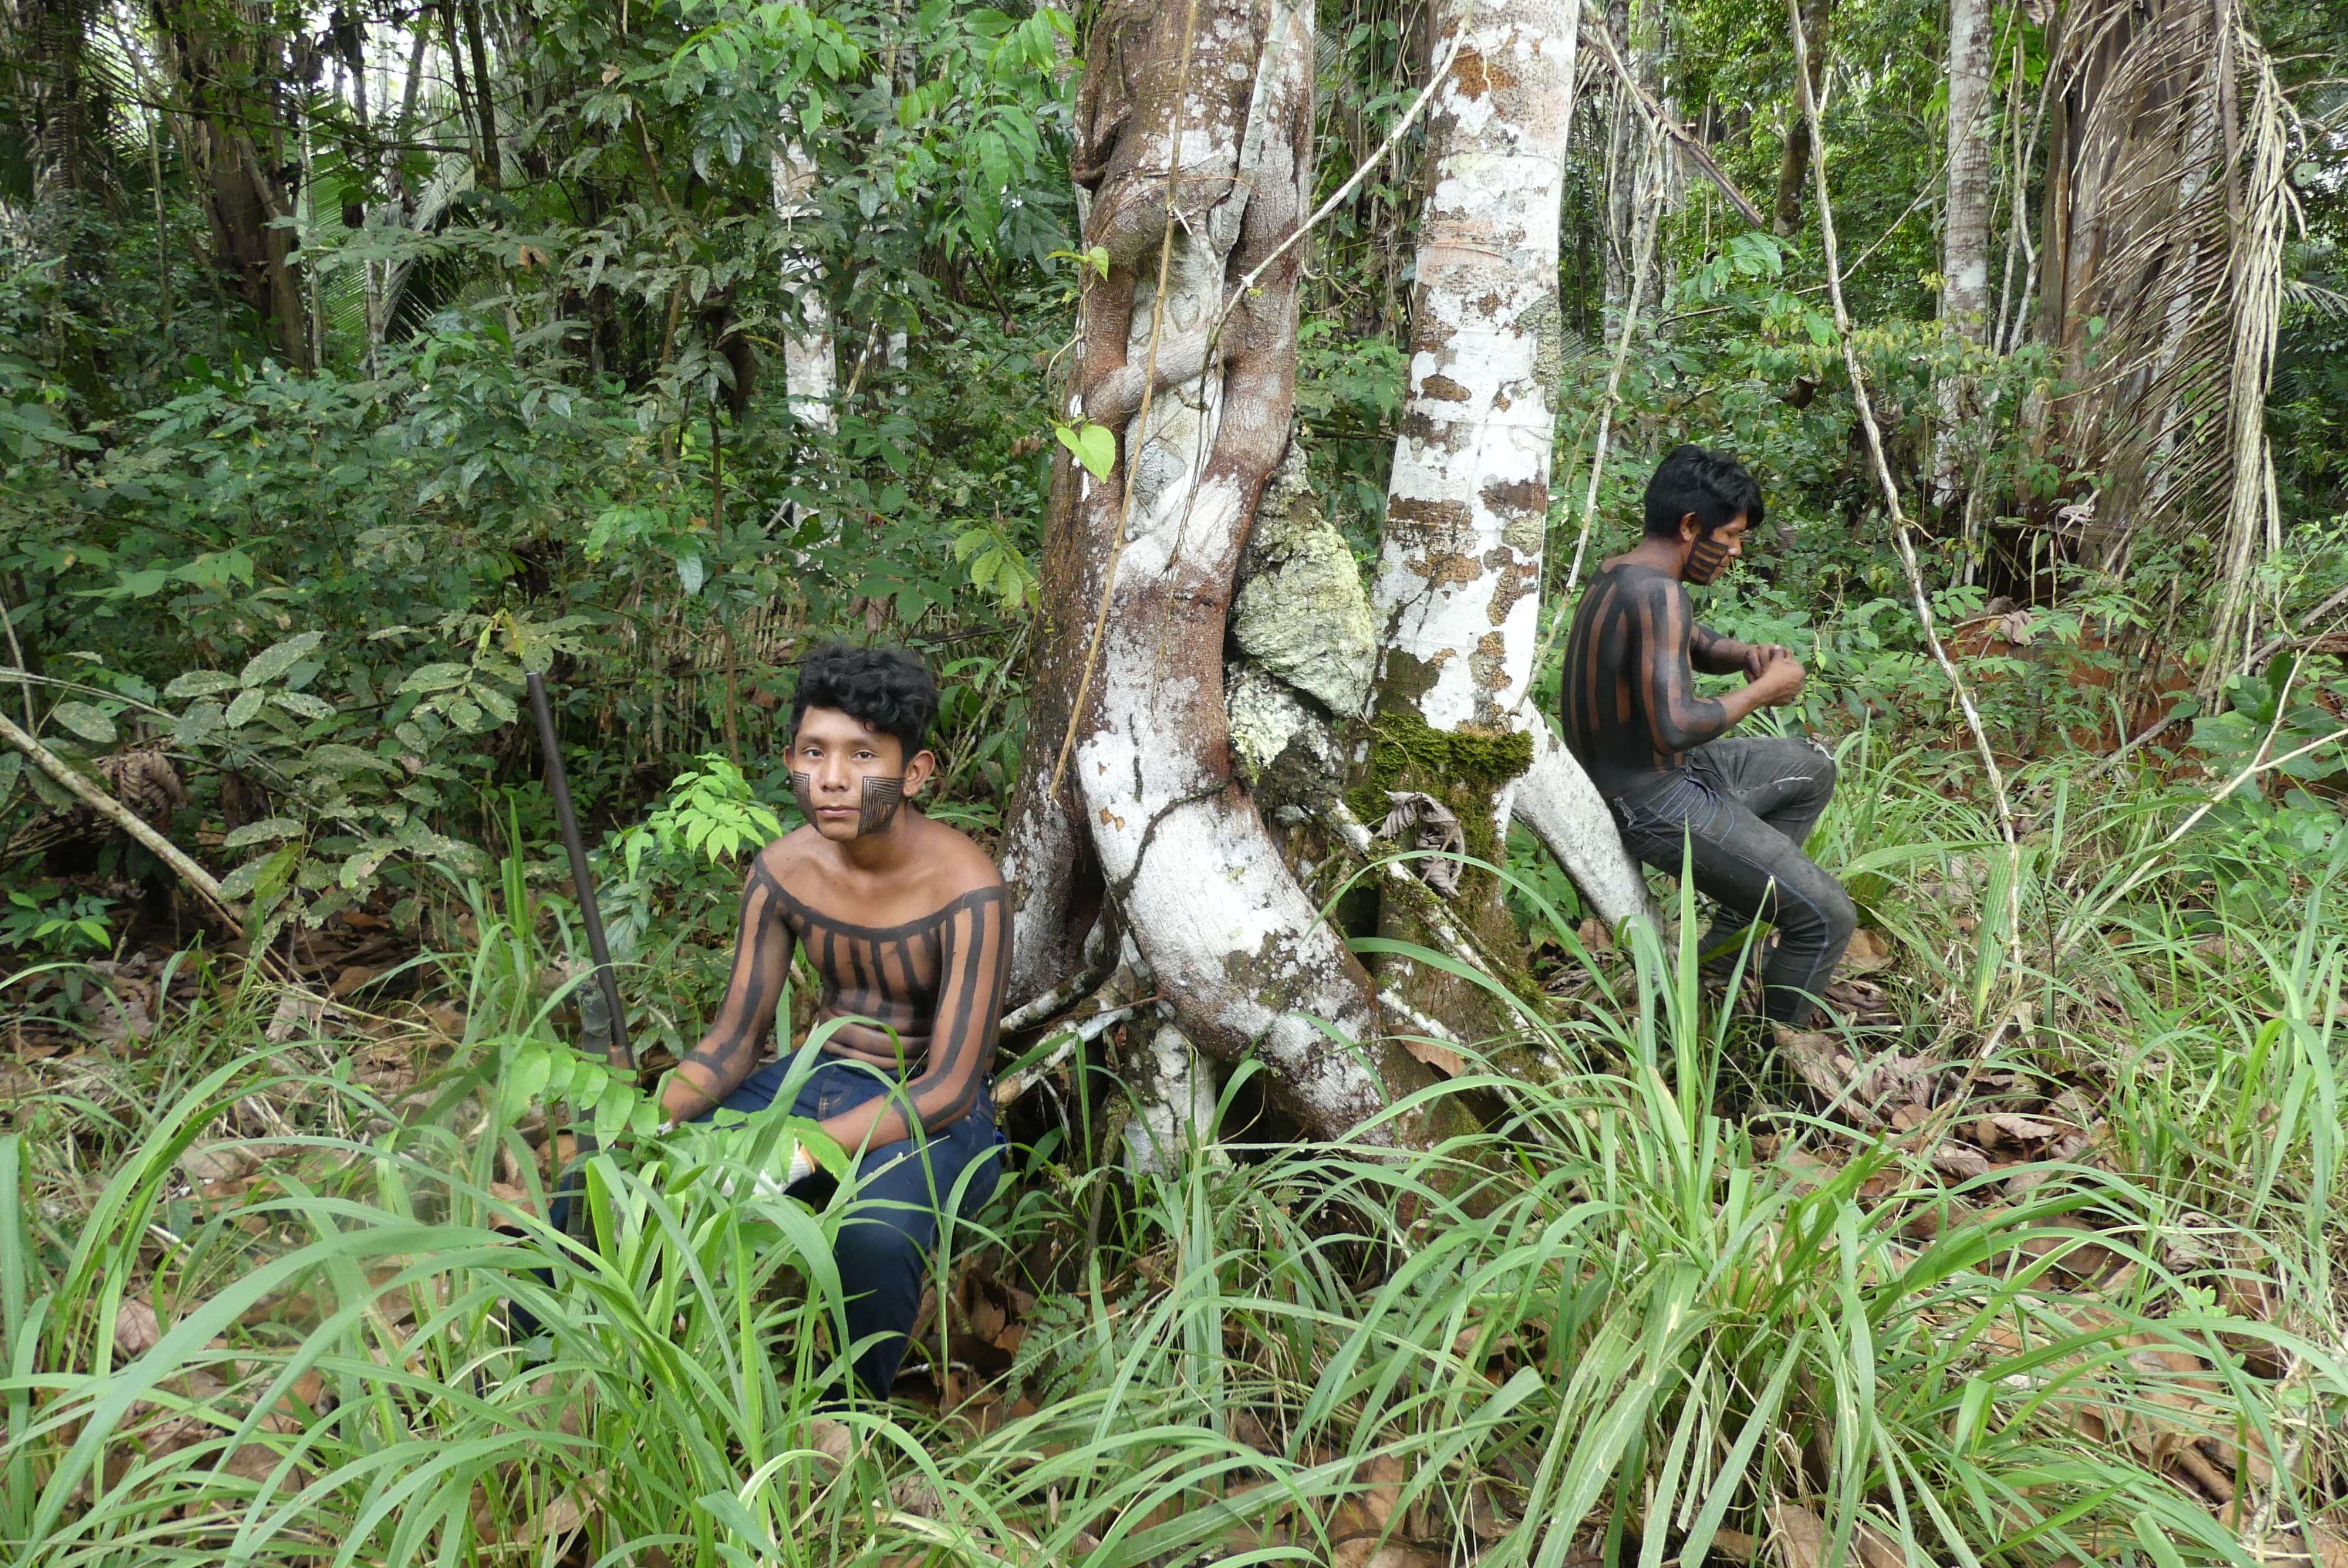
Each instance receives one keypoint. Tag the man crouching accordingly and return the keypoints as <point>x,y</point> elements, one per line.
<point>1735,813</point>
<point>906,922</point>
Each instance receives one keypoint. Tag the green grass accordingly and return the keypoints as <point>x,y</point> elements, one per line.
<point>1620,1320</point>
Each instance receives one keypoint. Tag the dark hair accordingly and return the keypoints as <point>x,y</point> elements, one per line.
<point>886,687</point>
<point>1712,485</point>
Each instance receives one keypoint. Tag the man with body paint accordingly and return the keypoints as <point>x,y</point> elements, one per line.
<point>1735,813</point>
<point>907,926</point>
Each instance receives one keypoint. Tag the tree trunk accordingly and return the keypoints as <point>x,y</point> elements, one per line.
<point>810,365</point>
<point>1794,167</point>
<point>1458,595</point>
<point>224,79</point>
<point>1964,240</point>
<point>1195,135</point>
<point>2165,215</point>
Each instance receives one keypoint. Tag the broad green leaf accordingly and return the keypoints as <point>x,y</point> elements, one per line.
<point>274,660</point>
<point>495,703</point>
<point>89,722</point>
<point>200,684</point>
<point>436,678</point>
<point>302,705</point>
<point>263,877</point>
<point>198,725</point>
<point>1095,447</point>
<point>248,702</point>
<point>339,758</point>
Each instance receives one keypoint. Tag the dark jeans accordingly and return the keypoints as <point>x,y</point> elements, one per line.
<point>883,1247</point>
<point>1740,811</point>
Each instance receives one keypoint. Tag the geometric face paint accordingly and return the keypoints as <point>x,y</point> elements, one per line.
<point>883,796</point>
<point>1706,557</point>
<point>880,798</point>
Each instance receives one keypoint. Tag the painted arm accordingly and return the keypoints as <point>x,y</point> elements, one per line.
<point>1714,654</point>
<point>1679,720</point>
<point>762,956</point>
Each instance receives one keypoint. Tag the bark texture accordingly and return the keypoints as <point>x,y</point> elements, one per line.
<point>1457,593</point>
<point>1964,236</point>
<point>1557,801</point>
<point>1194,135</point>
<point>222,77</point>
<point>810,362</point>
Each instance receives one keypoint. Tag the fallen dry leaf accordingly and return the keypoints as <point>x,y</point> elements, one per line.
<point>353,977</point>
<point>1959,1161</point>
<point>1798,1538</point>
<point>1868,952</point>
<point>207,1162</point>
<point>1444,1060</point>
<point>136,1329</point>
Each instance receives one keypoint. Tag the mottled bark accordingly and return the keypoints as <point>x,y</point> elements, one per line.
<point>1964,237</point>
<point>1563,809</point>
<point>1194,127</point>
<point>810,362</point>
<point>1458,594</point>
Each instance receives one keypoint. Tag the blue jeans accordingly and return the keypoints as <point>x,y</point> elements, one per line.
<point>1736,815</point>
<point>883,1247</point>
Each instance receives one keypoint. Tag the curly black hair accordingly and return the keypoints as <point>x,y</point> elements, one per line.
<point>1712,485</point>
<point>886,687</point>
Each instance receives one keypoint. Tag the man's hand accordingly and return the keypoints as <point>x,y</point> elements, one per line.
<point>1759,656</point>
<point>786,1166</point>
<point>1779,681</point>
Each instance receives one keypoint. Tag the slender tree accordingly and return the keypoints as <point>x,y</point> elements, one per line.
<point>810,362</point>
<point>1794,167</point>
<point>1964,239</point>
<point>1458,594</point>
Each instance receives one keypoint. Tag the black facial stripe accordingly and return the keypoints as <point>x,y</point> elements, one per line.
<point>1705,560</point>
<point>803,791</point>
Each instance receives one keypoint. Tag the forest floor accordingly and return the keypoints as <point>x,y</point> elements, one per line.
<point>2031,1261</point>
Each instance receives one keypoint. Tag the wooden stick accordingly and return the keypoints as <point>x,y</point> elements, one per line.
<point>123,817</point>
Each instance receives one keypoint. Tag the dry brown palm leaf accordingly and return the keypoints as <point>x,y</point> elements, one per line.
<point>2163,280</point>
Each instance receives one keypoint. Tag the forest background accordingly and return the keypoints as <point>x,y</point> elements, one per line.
<point>357,362</point>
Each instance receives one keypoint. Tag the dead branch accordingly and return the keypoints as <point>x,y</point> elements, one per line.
<point>115,812</point>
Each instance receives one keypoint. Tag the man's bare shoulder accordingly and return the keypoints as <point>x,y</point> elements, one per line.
<point>962,868</point>
<point>789,856</point>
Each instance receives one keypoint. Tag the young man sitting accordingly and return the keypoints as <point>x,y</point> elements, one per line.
<point>1735,811</point>
<point>906,923</point>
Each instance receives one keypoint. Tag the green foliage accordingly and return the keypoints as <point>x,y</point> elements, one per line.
<point>710,811</point>
<point>45,921</point>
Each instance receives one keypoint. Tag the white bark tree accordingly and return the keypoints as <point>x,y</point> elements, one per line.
<point>1194,135</point>
<point>810,362</point>
<point>1964,237</point>
<point>1457,592</point>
